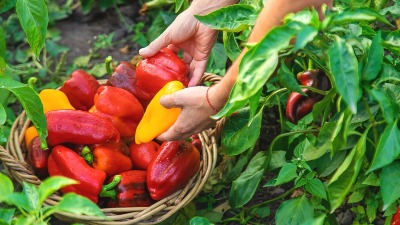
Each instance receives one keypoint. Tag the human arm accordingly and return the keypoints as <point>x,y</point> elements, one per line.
<point>196,112</point>
<point>188,34</point>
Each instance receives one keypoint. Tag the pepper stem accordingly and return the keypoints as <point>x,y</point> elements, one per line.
<point>108,65</point>
<point>310,64</point>
<point>108,190</point>
<point>87,155</point>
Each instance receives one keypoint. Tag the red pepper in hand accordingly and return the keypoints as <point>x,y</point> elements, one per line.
<point>37,158</point>
<point>155,72</point>
<point>142,154</point>
<point>121,107</point>
<point>107,159</point>
<point>79,127</point>
<point>80,89</point>
<point>65,162</point>
<point>131,191</point>
<point>299,105</point>
<point>175,164</point>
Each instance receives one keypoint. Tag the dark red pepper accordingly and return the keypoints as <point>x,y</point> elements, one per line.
<point>37,158</point>
<point>195,140</point>
<point>124,76</point>
<point>175,164</point>
<point>142,154</point>
<point>120,107</point>
<point>396,218</point>
<point>66,162</point>
<point>80,89</point>
<point>79,127</point>
<point>299,105</point>
<point>130,191</point>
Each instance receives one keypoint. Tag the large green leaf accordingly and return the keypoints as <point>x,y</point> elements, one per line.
<point>232,18</point>
<point>287,79</point>
<point>6,5</point>
<point>6,216</point>
<point>6,186</point>
<point>375,58</point>
<point>2,44</point>
<point>244,187</point>
<point>78,205</point>
<point>34,19</point>
<point>240,134</point>
<point>294,211</point>
<point>344,67</point>
<point>31,193</point>
<point>343,179</point>
<point>231,46</point>
<point>390,184</point>
<point>3,115</point>
<point>388,148</point>
<point>388,104</point>
<point>30,100</point>
<point>306,35</point>
<point>364,14</point>
<point>52,184</point>
<point>392,41</point>
<point>287,173</point>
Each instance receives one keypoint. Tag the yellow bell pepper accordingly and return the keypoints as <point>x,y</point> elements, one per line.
<point>53,99</point>
<point>30,134</point>
<point>157,119</point>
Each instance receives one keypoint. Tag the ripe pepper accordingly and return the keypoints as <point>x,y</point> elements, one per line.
<point>65,162</point>
<point>175,164</point>
<point>30,134</point>
<point>299,105</point>
<point>121,107</point>
<point>163,67</point>
<point>107,159</point>
<point>142,154</point>
<point>37,158</point>
<point>124,76</point>
<point>131,191</point>
<point>157,118</point>
<point>79,127</point>
<point>80,89</point>
<point>396,218</point>
<point>53,99</point>
<point>195,140</point>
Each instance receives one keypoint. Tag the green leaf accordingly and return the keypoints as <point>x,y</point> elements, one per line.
<point>86,5</point>
<point>78,205</point>
<point>31,193</point>
<point>232,18</point>
<point>388,105</point>
<point>6,186</point>
<point>287,173</point>
<point>294,211</point>
<point>3,115</point>
<point>388,148</point>
<point>200,221</point>
<point>34,19</point>
<point>217,60</point>
<point>2,43</point>
<point>52,184</point>
<point>306,35</point>
<point>178,5</point>
<point>288,80</point>
<point>375,58</point>
<point>316,188</point>
<point>19,200</point>
<point>6,215</point>
<point>236,166</point>
<point>343,179</point>
<point>390,185</point>
<point>278,159</point>
<point>231,46</point>
<point>30,100</point>
<point>344,67</point>
<point>6,5</point>
<point>240,134</point>
<point>244,187</point>
<point>364,14</point>
<point>392,41</point>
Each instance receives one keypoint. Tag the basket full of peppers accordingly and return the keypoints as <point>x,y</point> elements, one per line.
<point>102,133</point>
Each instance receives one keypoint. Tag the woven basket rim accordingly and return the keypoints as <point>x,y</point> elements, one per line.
<point>15,164</point>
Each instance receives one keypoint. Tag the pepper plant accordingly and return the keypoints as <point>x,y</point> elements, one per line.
<point>346,150</point>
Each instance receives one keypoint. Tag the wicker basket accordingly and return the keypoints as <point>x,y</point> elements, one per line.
<point>15,164</point>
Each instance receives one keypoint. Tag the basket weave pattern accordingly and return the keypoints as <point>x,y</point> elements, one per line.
<point>15,163</point>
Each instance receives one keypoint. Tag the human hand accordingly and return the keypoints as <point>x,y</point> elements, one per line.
<point>188,34</point>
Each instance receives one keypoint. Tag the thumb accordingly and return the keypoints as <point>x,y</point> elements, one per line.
<point>156,45</point>
<point>169,101</point>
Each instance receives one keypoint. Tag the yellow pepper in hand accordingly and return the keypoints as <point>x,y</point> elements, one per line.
<point>157,119</point>
<point>53,99</point>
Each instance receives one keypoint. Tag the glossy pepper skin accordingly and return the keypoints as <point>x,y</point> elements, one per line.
<point>298,105</point>
<point>120,107</point>
<point>175,164</point>
<point>142,154</point>
<point>396,218</point>
<point>124,76</point>
<point>109,160</point>
<point>65,162</point>
<point>53,99</point>
<point>131,191</point>
<point>80,89</point>
<point>79,127</point>
<point>37,158</point>
<point>157,118</point>
<point>163,67</point>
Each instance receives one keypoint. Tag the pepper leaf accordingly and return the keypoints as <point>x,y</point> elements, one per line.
<point>232,48</point>
<point>244,187</point>
<point>288,80</point>
<point>34,18</point>
<point>52,184</point>
<point>390,188</point>
<point>294,211</point>
<point>388,105</point>
<point>78,205</point>
<point>6,5</point>
<point>2,43</point>
<point>363,14</point>
<point>344,67</point>
<point>375,58</point>
<point>286,174</point>
<point>6,186</point>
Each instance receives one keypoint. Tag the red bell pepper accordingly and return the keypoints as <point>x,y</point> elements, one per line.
<point>175,164</point>
<point>79,127</point>
<point>131,191</point>
<point>124,76</point>
<point>37,158</point>
<point>396,218</point>
<point>195,140</point>
<point>121,107</point>
<point>65,162</point>
<point>154,72</point>
<point>142,154</point>
<point>107,159</point>
<point>80,89</point>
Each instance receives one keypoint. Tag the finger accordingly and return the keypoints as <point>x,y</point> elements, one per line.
<point>162,41</point>
<point>197,69</point>
<point>172,134</point>
<point>187,58</point>
<point>170,101</point>
<point>173,48</point>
